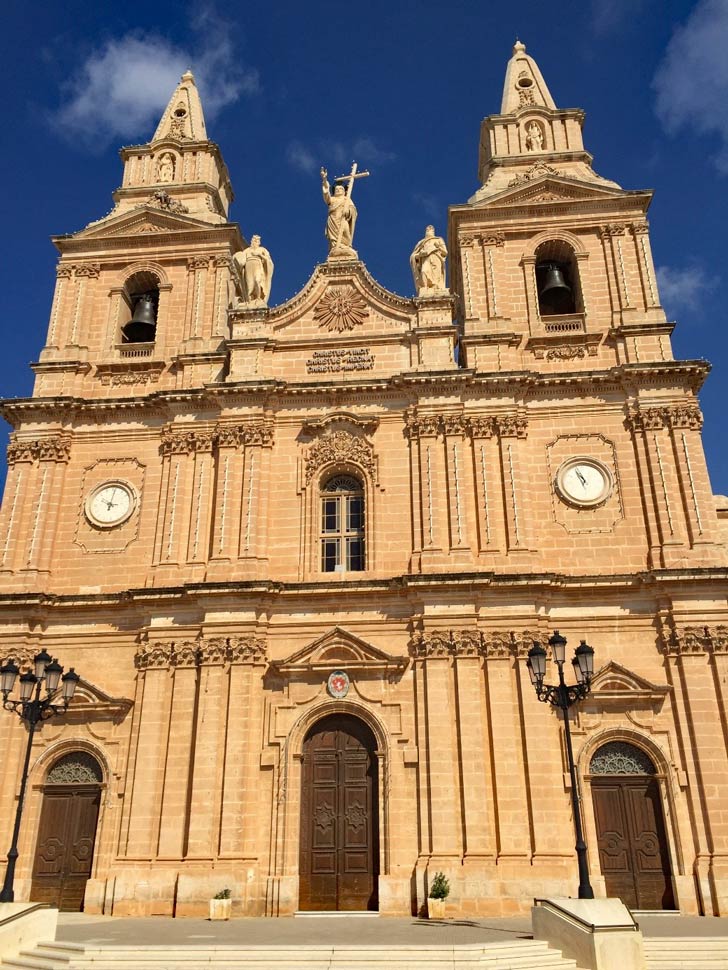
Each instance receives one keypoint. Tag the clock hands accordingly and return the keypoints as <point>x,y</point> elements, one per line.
<point>580,476</point>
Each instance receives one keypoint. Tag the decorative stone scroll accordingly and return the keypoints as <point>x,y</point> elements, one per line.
<point>75,768</point>
<point>22,657</point>
<point>340,446</point>
<point>56,448</point>
<point>202,651</point>
<point>470,643</point>
<point>534,172</point>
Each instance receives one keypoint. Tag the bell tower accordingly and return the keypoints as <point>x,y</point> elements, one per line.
<point>142,294</point>
<point>559,302</point>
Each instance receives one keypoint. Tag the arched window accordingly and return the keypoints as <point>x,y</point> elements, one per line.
<point>557,279</point>
<point>141,296</point>
<point>342,525</point>
<point>620,758</point>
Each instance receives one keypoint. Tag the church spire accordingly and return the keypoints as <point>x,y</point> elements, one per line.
<point>183,117</point>
<point>524,84</point>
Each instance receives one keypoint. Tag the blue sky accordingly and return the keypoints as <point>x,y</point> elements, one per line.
<point>400,87</point>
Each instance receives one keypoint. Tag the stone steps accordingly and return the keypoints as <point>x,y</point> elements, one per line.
<point>687,953</point>
<point>511,955</point>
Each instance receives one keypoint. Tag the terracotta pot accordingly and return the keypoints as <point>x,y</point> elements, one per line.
<point>436,908</point>
<point>220,908</point>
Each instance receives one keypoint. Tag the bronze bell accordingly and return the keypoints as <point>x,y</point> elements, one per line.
<point>143,325</point>
<point>554,293</point>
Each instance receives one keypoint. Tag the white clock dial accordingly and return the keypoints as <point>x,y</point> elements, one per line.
<point>110,504</point>
<point>584,481</point>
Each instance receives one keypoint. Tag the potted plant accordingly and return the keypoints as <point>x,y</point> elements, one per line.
<point>439,891</point>
<point>221,904</point>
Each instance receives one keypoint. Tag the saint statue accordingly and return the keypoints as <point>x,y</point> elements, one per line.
<point>165,168</point>
<point>256,269</point>
<point>534,137</point>
<point>428,263</point>
<point>341,219</point>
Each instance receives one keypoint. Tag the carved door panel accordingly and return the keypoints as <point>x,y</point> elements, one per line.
<point>65,847</point>
<point>632,842</point>
<point>339,857</point>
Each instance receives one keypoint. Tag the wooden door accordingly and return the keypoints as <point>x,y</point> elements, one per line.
<point>65,848</point>
<point>339,856</point>
<point>633,851</point>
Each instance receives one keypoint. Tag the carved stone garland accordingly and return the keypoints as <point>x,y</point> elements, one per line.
<point>340,446</point>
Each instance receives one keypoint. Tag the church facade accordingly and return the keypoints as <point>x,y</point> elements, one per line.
<point>298,554</point>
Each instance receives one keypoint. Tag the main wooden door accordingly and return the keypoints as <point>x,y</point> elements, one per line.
<point>339,857</point>
<point>67,832</point>
<point>632,843</point>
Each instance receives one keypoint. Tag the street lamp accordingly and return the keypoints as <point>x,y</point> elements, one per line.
<point>33,709</point>
<point>563,696</point>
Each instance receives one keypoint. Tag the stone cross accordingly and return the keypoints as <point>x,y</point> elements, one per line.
<point>353,174</point>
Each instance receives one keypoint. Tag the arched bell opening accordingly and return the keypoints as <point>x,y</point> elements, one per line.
<point>141,298</point>
<point>66,841</point>
<point>557,279</point>
<point>339,833</point>
<point>632,841</point>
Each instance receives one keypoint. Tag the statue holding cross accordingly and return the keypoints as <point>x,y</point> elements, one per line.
<point>342,213</point>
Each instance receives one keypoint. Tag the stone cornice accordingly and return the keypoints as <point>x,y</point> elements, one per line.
<point>656,582</point>
<point>520,383</point>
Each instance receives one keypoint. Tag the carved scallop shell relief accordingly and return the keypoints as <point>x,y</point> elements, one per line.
<point>341,308</point>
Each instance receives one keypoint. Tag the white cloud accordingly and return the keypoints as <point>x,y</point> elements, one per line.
<point>300,157</point>
<point>684,288</point>
<point>691,83</point>
<point>608,15</point>
<point>329,152</point>
<point>122,87</point>
<point>429,204</point>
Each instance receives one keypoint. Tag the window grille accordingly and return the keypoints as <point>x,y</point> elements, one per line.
<point>621,758</point>
<point>76,768</point>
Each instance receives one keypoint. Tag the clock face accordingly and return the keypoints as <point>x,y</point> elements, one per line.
<point>110,504</point>
<point>584,481</point>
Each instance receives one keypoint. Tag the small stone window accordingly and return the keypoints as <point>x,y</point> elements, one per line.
<point>342,525</point>
<point>141,299</point>
<point>621,758</point>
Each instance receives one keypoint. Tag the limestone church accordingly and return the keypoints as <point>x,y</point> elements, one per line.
<point>298,553</point>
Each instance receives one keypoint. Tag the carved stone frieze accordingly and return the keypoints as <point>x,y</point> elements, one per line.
<point>55,448</point>
<point>512,425</point>
<point>198,262</point>
<point>613,229</point>
<point>422,425</point>
<point>482,426</point>
<point>694,640</point>
<point>88,269</point>
<point>565,353</point>
<point>470,643</point>
<point>454,424</point>
<point>186,442</point>
<point>340,446</point>
<point>493,239</point>
<point>64,271</point>
<point>210,651</point>
<point>639,228</point>
<point>257,434</point>
<point>686,416</point>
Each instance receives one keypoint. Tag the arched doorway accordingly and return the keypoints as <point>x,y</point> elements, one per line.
<point>339,854</point>
<point>67,831</point>
<point>633,851</point>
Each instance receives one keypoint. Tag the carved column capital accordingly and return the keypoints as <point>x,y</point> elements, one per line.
<point>54,448</point>
<point>512,425</point>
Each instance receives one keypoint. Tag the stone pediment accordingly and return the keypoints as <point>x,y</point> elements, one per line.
<point>339,648</point>
<point>342,299</point>
<point>613,682</point>
<point>90,703</point>
<point>145,219</point>
<point>547,187</point>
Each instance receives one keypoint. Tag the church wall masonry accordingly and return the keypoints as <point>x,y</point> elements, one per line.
<point>213,504</point>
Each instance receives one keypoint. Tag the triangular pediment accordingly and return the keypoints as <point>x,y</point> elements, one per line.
<point>339,648</point>
<point>145,219</point>
<point>613,681</point>
<point>544,187</point>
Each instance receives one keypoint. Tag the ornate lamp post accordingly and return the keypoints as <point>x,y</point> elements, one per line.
<point>563,696</point>
<point>32,708</point>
